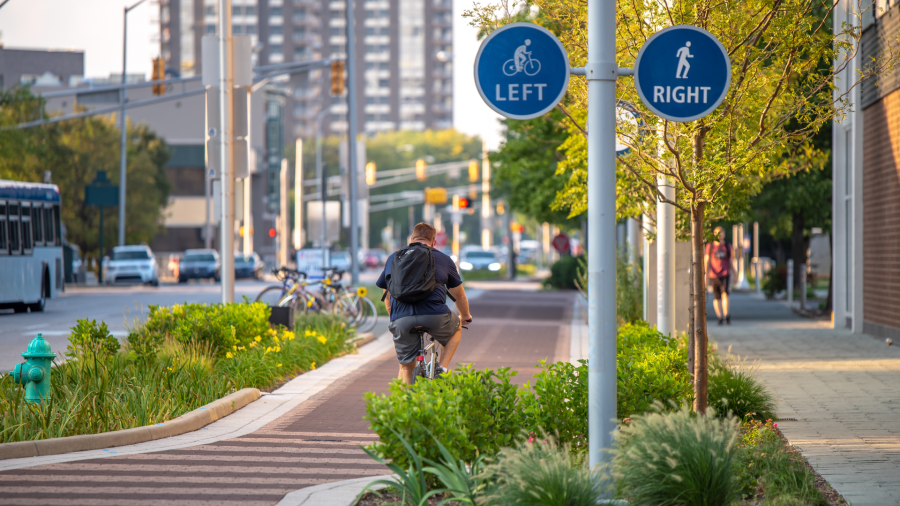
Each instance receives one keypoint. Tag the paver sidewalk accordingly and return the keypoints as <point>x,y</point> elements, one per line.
<point>841,388</point>
<point>316,442</point>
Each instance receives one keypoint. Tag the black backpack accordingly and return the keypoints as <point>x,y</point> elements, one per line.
<point>412,274</point>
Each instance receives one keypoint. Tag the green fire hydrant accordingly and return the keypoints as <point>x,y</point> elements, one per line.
<point>35,372</point>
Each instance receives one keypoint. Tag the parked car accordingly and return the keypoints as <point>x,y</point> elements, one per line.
<point>478,260</point>
<point>199,264</point>
<point>341,260</point>
<point>372,258</point>
<point>248,266</point>
<point>131,264</point>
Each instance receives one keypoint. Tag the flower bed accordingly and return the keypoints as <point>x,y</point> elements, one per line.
<point>181,358</point>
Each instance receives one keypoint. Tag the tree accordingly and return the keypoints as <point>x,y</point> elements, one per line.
<point>524,169</point>
<point>784,62</point>
<point>74,151</point>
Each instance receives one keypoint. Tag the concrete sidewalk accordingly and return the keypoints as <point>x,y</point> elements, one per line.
<point>841,388</point>
<point>314,442</point>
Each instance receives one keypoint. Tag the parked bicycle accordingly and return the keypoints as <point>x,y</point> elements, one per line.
<point>292,293</point>
<point>351,305</point>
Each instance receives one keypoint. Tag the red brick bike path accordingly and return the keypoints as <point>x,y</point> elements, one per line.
<point>317,442</point>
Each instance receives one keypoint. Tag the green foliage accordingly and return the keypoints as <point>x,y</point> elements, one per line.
<point>524,169</point>
<point>461,480</point>
<point>767,468</point>
<point>542,473</point>
<point>651,368</point>
<point>74,151</point>
<point>473,411</point>
<point>629,289</point>
<point>557,404</point>
<point>676,458</point>
<point>565,272</point>
<point>87,334</point>
<point>98,389</point>
<point>412,484</point>
<point>221,326</point>
<point>733,389</point>
<point>775,281</point>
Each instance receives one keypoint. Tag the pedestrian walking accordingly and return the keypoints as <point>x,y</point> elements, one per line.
<point>717,260</point>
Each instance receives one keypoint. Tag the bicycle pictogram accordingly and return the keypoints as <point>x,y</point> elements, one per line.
<point>522,62</point>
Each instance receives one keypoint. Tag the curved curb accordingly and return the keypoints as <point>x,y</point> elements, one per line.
<point>336,493</point>
<point>187,422</point>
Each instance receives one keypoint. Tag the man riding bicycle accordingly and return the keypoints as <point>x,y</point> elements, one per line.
<point>418,279</point>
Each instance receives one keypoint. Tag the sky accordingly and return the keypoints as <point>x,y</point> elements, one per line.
<point>95,27</point>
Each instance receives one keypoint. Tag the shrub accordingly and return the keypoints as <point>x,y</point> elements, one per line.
<point>542,473</point>
<point>222,326</point>
<point>775,281</point>
<point>469,411</point>
<point>651,367</point>
<point>733,389</point>
<point>629,289</point>
<point>677,458</point>
<point>564,273</point>
<point>89,335</point>
<point>558,403</point>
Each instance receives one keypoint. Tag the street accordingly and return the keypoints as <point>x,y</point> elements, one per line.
<point>118,306</point>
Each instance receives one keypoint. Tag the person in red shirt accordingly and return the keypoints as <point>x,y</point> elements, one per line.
<point>717,258</point>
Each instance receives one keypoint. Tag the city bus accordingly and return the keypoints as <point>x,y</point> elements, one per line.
<point>31,256</point>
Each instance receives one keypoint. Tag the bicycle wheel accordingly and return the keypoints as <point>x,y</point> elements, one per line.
<point>368,315</point>
<point>532,67</point>
<point>349,308</point>
<point>509,67</point>
<point>270,295</point>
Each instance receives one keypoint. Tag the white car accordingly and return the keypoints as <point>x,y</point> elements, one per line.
<point>131,264</point>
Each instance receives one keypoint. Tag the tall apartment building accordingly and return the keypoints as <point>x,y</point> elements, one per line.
<point>403,47</point>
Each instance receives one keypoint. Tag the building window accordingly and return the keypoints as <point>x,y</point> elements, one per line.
<point>250,30</point>
<point>275,11</point>
<point>236,10</point>
<point>299,34</point>
<point>337,31</point>
<point>236,29</point>
<point>275,49</point>
<point>210,10</point>
<point>250,10</point>
<point>384,83</point>
<point>299,16</point>
<point>210,28</point>
<point>275,30</point>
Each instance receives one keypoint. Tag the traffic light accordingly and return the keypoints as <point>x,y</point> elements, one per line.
<point>370,173</point>
<point>463,203</point>
<point>272,233</point>
<point>473,171</point>
<point>420,170</point>
<point>159,73</point>
<point>500,208</point>
<point>337,77</point>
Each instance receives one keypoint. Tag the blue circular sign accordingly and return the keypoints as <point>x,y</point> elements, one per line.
<point>682,73</point>
<point>522,71</point>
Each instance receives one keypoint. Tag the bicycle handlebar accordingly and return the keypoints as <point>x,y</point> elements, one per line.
<point>287,272</point>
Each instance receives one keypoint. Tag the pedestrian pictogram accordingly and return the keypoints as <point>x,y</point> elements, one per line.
<point>682,73</point>
<point>522,70</point>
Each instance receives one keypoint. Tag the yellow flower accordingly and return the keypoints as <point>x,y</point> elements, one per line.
<point>323,339</point>
<point>272,332</point>
<point>235,347</point>
<point>309,334</point>
<point>257,339</point>
<point>242,348</point>
<point>277,349</point>
<point>288,335</point>
<point>252,344</point>
<point>229,355</point>
<point>362,291</point>
<point>313,365</point>
<point>268,349</point>
<point>279,365</point>
<point>309,303</point>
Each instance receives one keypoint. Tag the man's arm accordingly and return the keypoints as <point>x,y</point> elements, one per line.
<point>462,303</point>
<point>387,301</point>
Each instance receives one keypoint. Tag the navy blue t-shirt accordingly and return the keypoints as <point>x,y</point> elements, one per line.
<point>445,274</point>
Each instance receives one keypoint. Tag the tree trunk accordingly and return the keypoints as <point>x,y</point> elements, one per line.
<point>699,327</point>
<point>798,246</point>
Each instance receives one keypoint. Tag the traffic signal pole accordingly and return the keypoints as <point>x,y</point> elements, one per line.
<point>351,145</point>
<point>226,150</point>
<point>601,72</point>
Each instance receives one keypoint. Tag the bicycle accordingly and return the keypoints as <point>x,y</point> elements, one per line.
<point>530,67</point>
<point>428,359</point>
<point>351,305</point>
<point>292,292</point>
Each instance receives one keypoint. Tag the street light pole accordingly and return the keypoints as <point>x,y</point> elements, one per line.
<point>601,71</point>
<point>226,150</point>
<point>123,157</point>
<point>351,144</point>
<point>320,174</point>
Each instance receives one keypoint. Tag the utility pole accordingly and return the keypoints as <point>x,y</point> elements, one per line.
<point>123,155</point>
<point>226,150</point>
<point>486,239</point>
<point>601,71</point>
<point>351,144</point>
<point>283,225</point>
<point>298,195</point>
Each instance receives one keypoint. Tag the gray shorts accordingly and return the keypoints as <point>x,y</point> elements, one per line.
<point>406,339</point>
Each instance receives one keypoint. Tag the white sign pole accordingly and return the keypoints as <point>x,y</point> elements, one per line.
<point>226,147</point>
<point>665,258</point>
<point>601,71</point>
